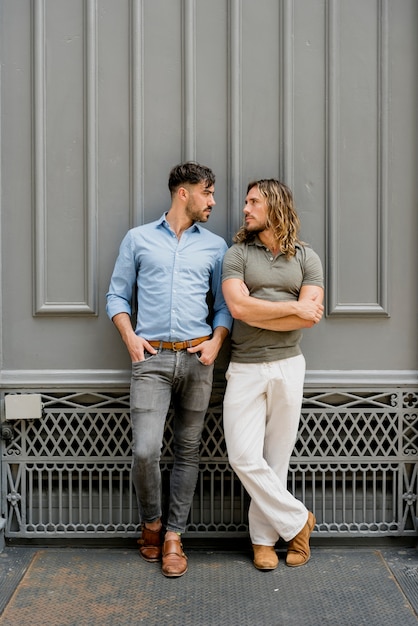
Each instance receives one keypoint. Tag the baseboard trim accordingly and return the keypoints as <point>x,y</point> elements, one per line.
<point>117,379</point>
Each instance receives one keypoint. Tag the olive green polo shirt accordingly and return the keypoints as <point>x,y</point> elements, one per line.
<point>269,278</point>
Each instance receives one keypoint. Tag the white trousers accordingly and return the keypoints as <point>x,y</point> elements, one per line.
<point>261,417</point>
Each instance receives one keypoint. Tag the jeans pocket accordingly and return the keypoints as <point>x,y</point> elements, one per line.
<point>197,357</point>
<point>147,357</point>
<point>138,366</point>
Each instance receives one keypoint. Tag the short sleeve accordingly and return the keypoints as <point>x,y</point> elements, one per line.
<point>312,269</point>
<point>234,263</point>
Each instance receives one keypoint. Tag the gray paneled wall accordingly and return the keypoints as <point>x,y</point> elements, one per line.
<point>99,98</point>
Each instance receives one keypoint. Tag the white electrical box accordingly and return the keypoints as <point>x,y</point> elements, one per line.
<point>23,406</point>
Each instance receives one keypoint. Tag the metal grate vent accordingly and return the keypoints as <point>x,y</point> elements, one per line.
<point>354,465</point>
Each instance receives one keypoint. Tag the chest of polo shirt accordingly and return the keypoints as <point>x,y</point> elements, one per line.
<point>272,277</point>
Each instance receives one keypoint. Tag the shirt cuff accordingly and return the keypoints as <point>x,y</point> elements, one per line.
<point>222,319</point>
<point>113,308</point>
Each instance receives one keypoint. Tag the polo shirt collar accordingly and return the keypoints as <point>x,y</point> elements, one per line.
<point>257,242</point>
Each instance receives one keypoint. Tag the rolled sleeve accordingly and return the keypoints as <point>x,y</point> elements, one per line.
<point>119,296</point>
<point>222,316</point>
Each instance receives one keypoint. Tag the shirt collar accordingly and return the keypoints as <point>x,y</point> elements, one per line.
<point>257,242</point>
<point>163,222</point>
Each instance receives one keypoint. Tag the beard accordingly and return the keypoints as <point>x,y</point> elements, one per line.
<point>255,228</point>
<point>197,215</point>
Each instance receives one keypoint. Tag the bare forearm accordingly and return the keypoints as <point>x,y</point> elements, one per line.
<point>253,310</point>
<point>220,333</point>
<point>295,322</point>
<point>122,321</point>
<point>291,322</point>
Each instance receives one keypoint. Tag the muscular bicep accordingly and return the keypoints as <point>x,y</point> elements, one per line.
<point>233,290</point>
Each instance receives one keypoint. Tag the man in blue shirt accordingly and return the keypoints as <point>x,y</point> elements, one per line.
<point>175,264</point>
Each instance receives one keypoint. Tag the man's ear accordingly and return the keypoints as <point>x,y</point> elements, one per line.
<point>183,193</point>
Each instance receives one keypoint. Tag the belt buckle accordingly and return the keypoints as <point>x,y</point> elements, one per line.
<point>174,346</point>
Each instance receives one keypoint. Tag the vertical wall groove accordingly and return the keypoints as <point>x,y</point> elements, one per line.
<point>234,119</point>
<point>286,65</point>
<point>189,79</point>
<point>383,146</point>
<point>137,214</point>
<point>41,304</point>
<point>39,149</point>
<point>335,307</point>
<point>1,230</point>
<point>91,251</point>
<point>331,169</point>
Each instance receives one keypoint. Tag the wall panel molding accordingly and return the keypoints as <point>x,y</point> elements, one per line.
<point>234,116</point>
<point>335,304</point>
<point>137,212</point>
<point>1,228</point>
<point>189,79</point>
<point>110,379</point>
<point>286,112</point>
<point>43,305</point>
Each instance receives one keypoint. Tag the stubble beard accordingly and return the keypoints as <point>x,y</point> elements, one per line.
<point>255,228</point>
<point>197,215</point>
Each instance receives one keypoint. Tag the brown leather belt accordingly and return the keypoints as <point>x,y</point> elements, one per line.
<point>178,345</point>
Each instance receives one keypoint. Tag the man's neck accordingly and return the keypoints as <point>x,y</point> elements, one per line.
<point>178,221</point>
<point>267,238</point>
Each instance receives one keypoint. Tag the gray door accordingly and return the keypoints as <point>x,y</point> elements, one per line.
<point>99,98</point>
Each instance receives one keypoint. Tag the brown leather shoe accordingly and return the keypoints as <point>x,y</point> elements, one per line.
<point>150,544</point>
<point>299,552</point>
<point>265,557</point>
<point>174,559</point>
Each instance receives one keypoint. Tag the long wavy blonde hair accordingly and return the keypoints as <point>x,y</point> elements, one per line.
<point>281,216</point>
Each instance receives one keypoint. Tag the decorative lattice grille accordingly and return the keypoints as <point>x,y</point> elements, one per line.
<point>354,465</point>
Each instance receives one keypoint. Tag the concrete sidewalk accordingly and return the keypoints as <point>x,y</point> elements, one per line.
<point>98,586</point>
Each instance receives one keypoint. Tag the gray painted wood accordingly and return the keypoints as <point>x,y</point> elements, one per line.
<point>100,98</point>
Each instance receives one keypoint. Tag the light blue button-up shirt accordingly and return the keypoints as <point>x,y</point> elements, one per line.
<point>173,278</point>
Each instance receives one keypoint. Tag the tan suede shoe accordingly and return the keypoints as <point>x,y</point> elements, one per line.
<point>299,552</point>
<point>174,559</point>
<point>265,557</point>
<point>150,544</point>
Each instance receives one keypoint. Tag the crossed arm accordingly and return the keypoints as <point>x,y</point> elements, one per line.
<point>278,316</point>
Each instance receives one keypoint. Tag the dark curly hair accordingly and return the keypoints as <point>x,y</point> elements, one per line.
<point>190,173</point>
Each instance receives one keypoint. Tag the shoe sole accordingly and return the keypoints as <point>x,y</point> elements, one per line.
<point>174,575</point>
<point>156,560</point>
<point>265,569</point>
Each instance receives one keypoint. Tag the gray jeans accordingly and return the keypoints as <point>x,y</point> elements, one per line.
<point>181,378</point>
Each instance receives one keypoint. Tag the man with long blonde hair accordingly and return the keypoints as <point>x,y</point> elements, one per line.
<point>273,286</point>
